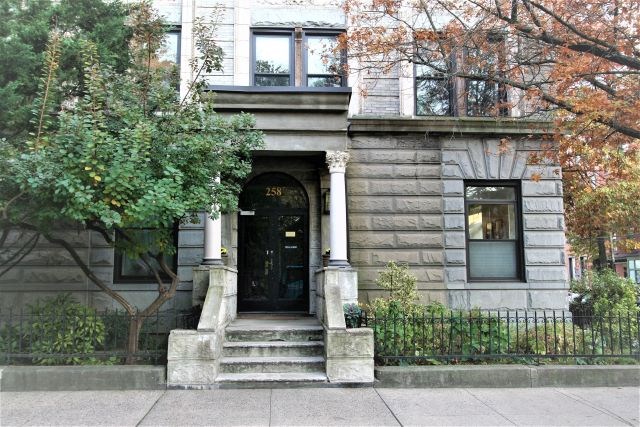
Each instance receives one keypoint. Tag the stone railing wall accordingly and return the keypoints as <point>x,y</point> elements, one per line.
<point>193,358</point>
<point>348,352</point>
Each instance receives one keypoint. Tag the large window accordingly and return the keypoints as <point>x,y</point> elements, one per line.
<point>272,63</point>
<point>296,58</point>
<point>483,97</point>
<point>323,65</point>
<point>433,91</point>
<point>127,269</point>
<point>170,50</point>
<point>440,91</point>
<point>494,247</point>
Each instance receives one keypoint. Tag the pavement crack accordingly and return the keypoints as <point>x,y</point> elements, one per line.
<point>387,405</point>
<point>151,408</point>
<point>593,406</point>
<point>490,407</point>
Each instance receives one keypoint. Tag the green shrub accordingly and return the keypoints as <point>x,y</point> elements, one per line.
<point>402,288</point>
<point>545,340</point>
<point>60,331</point>
<point>603,292</point>
<point>476,333</point>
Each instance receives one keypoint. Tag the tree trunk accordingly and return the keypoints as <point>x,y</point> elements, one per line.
<point>602,254</point>
<point>135,325</point>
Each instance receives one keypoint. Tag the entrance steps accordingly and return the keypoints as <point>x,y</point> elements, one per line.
<point>273,351</point>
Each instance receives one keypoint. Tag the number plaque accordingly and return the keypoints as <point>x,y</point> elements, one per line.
<point>274,191</point>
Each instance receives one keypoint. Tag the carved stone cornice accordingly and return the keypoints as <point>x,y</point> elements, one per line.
<point>337,161</point>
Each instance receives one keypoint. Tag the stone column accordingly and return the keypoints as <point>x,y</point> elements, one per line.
<point>337,161</point>
<point>213,238</point>
<point>212,241</point>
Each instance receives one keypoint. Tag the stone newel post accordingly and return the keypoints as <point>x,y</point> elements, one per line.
<point>337,161</point>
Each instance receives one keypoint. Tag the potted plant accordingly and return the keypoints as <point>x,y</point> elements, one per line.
<point>224,254</point>
<point>325,257</point>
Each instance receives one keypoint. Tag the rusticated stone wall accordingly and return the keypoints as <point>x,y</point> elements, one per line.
<point>395,207</point>
<point>544,284</point>
<point>49,270</point>
<point>406,204</point>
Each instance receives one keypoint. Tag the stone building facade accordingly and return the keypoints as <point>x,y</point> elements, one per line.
<point>408,192</point>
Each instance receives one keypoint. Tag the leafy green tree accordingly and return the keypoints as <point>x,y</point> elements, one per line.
<point>24,34</point>
<point>126,154</point>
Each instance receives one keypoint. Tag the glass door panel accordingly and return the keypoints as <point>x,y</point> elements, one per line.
<point>254,280</point>
<point>291,250</point>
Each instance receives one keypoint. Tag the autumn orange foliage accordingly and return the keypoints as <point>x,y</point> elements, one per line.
<point>573,61</point>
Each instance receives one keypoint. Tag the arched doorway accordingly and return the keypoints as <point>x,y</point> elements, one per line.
<point>273,245</point>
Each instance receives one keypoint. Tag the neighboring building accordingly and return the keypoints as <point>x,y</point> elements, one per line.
<point>435,192</point>
<point>627,264</point>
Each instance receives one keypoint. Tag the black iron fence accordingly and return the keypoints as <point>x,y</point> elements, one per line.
<point>505,336</point>
<point>86,337</point>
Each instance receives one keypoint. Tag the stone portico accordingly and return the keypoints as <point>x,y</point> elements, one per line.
<point>203,358</point>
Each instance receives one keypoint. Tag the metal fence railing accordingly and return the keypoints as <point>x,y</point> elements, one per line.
<point>89,337</point>
<point>505,336</point>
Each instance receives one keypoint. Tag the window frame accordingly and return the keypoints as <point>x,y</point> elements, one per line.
<point>519,244</point>
<point>458,87</point>
<point>176,29</point>
<point>291,33</point>
<point>273,33</point>
<point>305,58</point>
<point>450,88</point>
<point>118,259</point>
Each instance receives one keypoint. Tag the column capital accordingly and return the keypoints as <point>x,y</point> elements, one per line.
<point>337,161</point>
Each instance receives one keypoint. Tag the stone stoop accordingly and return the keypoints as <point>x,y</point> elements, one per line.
<point>273,351</point>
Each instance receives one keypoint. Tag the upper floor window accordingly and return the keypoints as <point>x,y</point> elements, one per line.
<point>494,247</point>
<point>460,84</point>
<point>296,58</point>
<point>272,59</point>
<point>323,65</point>
<point>483,97</point>
<point>170,50</point>
<point>433,90</point>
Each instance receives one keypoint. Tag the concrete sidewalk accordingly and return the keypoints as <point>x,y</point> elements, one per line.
<point>325,406</point>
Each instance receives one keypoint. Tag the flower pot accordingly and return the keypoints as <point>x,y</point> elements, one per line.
<point>325,260</point>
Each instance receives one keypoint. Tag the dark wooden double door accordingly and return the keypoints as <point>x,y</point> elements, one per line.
<point>273,272</point>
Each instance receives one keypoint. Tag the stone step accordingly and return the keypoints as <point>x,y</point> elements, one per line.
<point>308,333</point>
<point>272,380</point>
<point>247,365</point>
<point>273,348</point>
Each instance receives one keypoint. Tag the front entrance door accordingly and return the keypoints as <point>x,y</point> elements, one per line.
<point>273,272</point>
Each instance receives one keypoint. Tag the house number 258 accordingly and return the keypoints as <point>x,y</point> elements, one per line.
<point>274,191</point>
